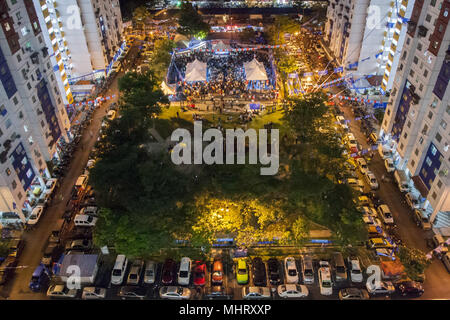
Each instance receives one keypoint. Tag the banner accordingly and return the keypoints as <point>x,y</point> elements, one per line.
<point>91,101</point>
<point>231,50</point>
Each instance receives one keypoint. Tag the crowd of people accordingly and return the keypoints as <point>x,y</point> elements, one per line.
<point>225,75</point>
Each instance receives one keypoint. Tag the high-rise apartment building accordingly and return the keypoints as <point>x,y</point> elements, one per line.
<point>365,35</point>
<point>33,118</point>
<point>416,124</point>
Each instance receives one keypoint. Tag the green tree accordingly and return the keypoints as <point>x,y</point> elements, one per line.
<point>161,57</point>
<point>414,261</point>
<point>4,249</point>
<point>286,64</point>
<point>191,23</point>
<point>247,34</point>
<point>140,16</point>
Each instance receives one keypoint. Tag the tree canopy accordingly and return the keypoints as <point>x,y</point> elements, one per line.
<point>191,23</point>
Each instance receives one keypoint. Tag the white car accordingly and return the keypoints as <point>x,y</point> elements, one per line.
<point>380,287</point>
<point>290,269</point>
<point>61,291</point>
<point>35,215</point>
<point>93,293</point>
<point>371,180</point>
<point>184,273</point>
<point>150,272</point>
<point>362,164</point>
<point>389,165</point>
<point>84,220</point>
<point>174,293</point>
<point>255,293</point>
<point>355,269</point>
<point>385,214</point>
<point>325,283</point>
<point>412,201</point>
<point>292,291</point>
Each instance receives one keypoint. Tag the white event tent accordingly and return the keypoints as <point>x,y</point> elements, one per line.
<point>195,71</point>
<point>255,71</point>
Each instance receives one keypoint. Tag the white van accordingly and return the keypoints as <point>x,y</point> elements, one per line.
<point>120,266</point>
<point>384,152</point>
<point>84,220</point>
<point>402,180</point>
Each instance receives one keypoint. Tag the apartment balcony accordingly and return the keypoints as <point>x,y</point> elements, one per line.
<point>422,32</point>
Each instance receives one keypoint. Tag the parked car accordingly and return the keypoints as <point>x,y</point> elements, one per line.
<point>93,293</point>
<point>353,294</point>
<point>199,273</point>
<point>385,214</point>
<point>111,115</point>
<point>259,272</point>
<point>168,272</point>
<point>84,220</point>
<point>307,269</point>
<point>218,293</point>
<point>355,269</point>
<point>342,123</point>
<point>389,165</point>
<point>175,293</point>
<point>371,180</point>
<point>409,288</point>
<point>339,267</point>
<point>132,292</point>
<point>377,243</point>
<point>35,215</point>
<point>362,164</point>
<point>273,266</point>
<point>217,272</point>
<point>150,272</point>
<point>412,201</point>
<point>118,272</point>
<point>325,283</point>
<point>421,219</point>
<point>242,272</point>
<point>134,276</point>
<point>79,244</point>
<point>40,278</point>
<point>380,287</point>
<point>356,184</point>
<point>61,291</point>
<point>15,247</point>
<point>291,272</point>
<point>51,253</point>
<point>184,274</point>
<point>292,291</point>
<point>256,293</point>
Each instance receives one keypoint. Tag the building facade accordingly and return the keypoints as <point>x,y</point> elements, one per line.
<point>365,35</point>
<point>416,124</point>
<point>33,118</point>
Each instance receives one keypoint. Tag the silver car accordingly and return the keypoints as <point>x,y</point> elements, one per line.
<point>150,272</point>
<point>93,293</point>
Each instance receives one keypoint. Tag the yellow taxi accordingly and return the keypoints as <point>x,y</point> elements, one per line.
<point>242,272</point>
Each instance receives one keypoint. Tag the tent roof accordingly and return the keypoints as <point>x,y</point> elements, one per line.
<point>254,70</point>
<point>166,89</point>
<point>195,71</point>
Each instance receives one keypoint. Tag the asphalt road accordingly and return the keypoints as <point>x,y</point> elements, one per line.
<point>437,283</point>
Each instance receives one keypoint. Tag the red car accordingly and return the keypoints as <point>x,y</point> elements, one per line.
<point>199,273</point>
<point>168,272</point>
